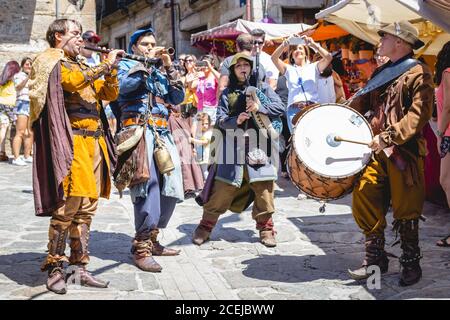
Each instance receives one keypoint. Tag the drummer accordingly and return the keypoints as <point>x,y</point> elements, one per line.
<point>301,75</point>
<point>397,113</point>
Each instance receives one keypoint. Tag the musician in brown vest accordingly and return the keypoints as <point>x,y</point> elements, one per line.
<point>397,112</point>
<point>71,160</point>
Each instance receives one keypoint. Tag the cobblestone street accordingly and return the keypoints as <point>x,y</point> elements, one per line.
<point>310,262</point>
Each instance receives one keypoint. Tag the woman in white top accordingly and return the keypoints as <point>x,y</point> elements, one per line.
<point>302,77</point>
<point>23,133</point>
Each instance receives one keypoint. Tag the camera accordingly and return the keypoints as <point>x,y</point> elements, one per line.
<point>295,41</point>
<point>200,64</point>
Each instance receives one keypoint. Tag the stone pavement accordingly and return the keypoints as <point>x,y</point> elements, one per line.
<point>310,262</point>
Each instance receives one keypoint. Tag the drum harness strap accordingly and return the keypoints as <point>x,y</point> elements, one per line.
<point>385,76</point>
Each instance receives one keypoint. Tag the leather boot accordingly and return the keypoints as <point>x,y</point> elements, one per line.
<point>79,258</point>
<point>55,281</point>
<point>410,259</point>
<point>79,240</point>
<point>142,253</point>
<point>79,275</point>
<point>55,258</point>
<point>266,231</point>
<point>158,249</point>
<point>203,231</point>
<point>375,255</point>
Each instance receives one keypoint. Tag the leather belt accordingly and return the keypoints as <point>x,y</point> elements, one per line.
<point>88,133</point>
<point>138,101</point>
<point>83,110</point>
<point>156,121</point>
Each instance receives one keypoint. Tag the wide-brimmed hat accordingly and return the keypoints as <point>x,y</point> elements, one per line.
<point>405,31</point>
<point>241,55</point>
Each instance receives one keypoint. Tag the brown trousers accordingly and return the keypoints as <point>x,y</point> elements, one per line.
<point>223,194</point>
<point>382,184</point>
<point>76,212</point>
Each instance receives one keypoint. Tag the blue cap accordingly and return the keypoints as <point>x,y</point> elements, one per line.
<point>135,36</point>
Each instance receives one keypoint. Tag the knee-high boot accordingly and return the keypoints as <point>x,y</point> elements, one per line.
<point>375,255</point>
<point>79,258</point>
<point>55,258</point>
<point>410,259</point>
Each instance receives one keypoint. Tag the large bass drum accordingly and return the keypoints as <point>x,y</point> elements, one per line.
<point>321,167</point>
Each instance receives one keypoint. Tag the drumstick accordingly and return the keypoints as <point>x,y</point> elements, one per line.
<point>338,138</point>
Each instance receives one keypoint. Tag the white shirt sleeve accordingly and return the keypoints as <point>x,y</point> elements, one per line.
<point>271,70</point>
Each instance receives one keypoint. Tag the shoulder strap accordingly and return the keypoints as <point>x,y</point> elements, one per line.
<point>387,75</point>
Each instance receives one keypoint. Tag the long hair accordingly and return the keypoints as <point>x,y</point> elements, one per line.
<point>185,64</point>
<point>233,82</point>
<point>24,60</point>
<point>442,62</point>
<point>10,69</point>
<point>291,53</point>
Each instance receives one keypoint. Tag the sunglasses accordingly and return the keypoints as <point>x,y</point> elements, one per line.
<point>189,60</point>
<point>258,42</point>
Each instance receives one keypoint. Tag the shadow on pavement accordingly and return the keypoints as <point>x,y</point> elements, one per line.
<point>24,267</point>
<point>220,231</point>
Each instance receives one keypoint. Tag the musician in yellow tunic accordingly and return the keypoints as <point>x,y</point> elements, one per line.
<point>73,123</point>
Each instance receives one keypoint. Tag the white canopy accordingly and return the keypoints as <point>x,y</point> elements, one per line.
<point>272,30</point>
<point>363,18</point>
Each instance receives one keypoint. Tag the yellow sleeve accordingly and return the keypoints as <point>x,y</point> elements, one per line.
<point>75,80</point>
<point>108,89</point>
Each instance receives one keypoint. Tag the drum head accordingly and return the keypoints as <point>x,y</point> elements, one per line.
<point>314,143</point>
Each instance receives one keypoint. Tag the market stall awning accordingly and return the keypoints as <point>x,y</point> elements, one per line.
<point>327,31</point>
<point>363,18</point>
<point>222,37</point>
<point>235,28</point>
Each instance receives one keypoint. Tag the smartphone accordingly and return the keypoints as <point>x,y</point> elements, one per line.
<point>295,41</point>
<point>201,64</point>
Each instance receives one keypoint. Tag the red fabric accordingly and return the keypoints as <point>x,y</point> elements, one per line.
<point>208,225</point>
<point>264,225</point>
<point>347,92</point>
<point>433,190</point>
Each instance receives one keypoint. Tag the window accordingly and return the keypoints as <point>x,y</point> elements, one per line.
<point>300,15</point>
<point>121,43</point>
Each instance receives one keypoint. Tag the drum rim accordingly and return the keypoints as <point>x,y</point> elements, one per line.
<point>303,162</point>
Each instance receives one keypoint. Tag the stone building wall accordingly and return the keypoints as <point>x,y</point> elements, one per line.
<point>122,23</point>
<point>24,23</point>
<point>191,16</point>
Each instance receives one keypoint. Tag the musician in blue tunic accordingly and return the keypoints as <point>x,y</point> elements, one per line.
<point>245,163</point>
<point>151,89</point>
